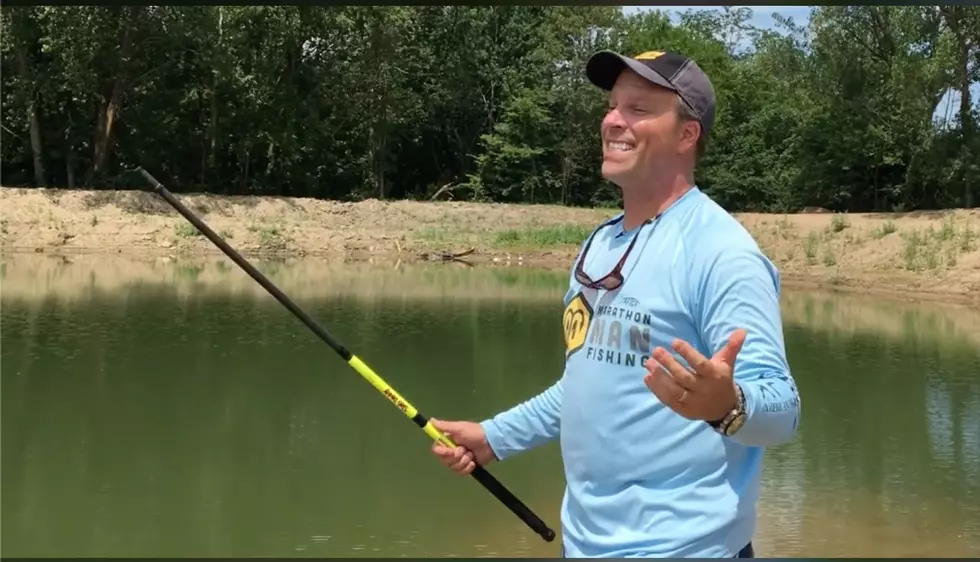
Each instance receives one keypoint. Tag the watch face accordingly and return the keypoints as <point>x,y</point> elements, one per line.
<point>736,424</point>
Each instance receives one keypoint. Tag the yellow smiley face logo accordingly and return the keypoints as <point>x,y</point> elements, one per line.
<point>575,321</point>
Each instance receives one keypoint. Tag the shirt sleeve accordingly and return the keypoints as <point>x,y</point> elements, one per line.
<point>534,422</point>
<point>741,290</point>
<point>526,425</point>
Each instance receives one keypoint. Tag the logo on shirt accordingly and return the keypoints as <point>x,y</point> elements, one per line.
<point>620,334</point>
<point>575,322</point>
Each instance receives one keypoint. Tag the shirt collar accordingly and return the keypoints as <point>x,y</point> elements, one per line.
<point>685,199</point>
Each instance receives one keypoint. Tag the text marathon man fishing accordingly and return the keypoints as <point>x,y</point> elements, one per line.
<point>620,335</point>
<point>662,450</point>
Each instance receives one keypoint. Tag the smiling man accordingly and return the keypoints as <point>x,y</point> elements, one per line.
<point>675,375</point>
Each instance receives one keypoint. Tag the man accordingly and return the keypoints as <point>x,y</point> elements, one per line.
<point>662,451</point>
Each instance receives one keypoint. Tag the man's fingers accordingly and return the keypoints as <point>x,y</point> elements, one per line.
<point>443,426</point>
<point>701,365</point>
<point>449,429</point>
<point>680,373</point>
<point>446,454</point>
<point>663,386</point>
<point>728,353</point>
<point>458,459</point>
<point>463,462</point>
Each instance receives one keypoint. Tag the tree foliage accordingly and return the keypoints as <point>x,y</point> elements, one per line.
<point>485,103</point>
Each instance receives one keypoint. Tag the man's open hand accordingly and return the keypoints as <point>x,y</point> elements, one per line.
<point>704,392</point>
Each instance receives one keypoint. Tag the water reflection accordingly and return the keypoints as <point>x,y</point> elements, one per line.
<point>81,277</point>
<point>887,391</point>
<point>151,411</point>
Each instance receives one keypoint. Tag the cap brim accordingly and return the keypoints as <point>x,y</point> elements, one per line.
<point>604,68</point>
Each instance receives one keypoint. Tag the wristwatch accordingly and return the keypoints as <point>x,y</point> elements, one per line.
<point>730,424</point>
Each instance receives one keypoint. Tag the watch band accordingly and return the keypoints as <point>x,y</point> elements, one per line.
<point>732,422</point>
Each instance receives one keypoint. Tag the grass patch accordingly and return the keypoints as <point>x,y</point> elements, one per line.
<point>785,228</point>
<point>437,236</point>
<point>926,250</point>
<point>886,228</point>
<point>829,259</point>
<point>839,222</point>
<point>853,238</point>
<point>947,230</point>
<point>544,236</point>
<point>932,259</point>
<point>271,238</point>
<point>968,239</point>
<point>932,248</point>
<point>810,247</point>
<point>913,250</point>
<point>784,223</point>
<point>186,230</point>
<point>951,256</point>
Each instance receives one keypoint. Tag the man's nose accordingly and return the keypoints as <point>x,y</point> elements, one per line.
<point>613,118</point>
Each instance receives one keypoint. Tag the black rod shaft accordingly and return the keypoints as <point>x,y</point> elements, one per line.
<point>479,473</point>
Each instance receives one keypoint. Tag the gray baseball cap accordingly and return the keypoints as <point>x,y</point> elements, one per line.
<point>665,69</point>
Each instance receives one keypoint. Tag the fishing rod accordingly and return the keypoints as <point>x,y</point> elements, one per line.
<point>480,473</point>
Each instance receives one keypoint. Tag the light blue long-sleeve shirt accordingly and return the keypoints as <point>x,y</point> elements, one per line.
<point>641,480</point>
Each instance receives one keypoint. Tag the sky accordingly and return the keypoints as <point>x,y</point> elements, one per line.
<point>762,18</point>
<point>761,15</point>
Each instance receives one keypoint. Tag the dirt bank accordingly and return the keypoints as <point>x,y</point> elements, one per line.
<point>922,255</point>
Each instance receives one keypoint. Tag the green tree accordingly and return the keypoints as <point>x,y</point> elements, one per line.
<point>482,103</point>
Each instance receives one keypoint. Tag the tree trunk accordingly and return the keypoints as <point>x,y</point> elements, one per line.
<point>70,167</point>
<point>966,117</point>
<point>381,149</point>
<point>109,108</point>
<point>40,176</point>
<point>213,129</point>
<point>380,95</point>
<point>955,16</point>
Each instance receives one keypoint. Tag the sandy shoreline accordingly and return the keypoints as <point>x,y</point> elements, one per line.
<point>924,255</point>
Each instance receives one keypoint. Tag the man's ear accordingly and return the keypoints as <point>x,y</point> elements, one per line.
<point>690,132</point>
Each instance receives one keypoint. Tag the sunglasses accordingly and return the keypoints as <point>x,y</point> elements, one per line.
<point>614,279</point>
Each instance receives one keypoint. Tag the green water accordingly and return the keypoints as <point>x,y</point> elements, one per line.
<point>176,410</point>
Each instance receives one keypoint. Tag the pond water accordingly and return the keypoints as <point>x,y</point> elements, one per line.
<point>162,408</point>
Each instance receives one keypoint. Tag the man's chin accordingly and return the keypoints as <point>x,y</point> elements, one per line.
<point>613,171</point>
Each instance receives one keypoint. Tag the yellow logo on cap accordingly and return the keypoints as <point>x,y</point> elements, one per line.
<point>649,55</point>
